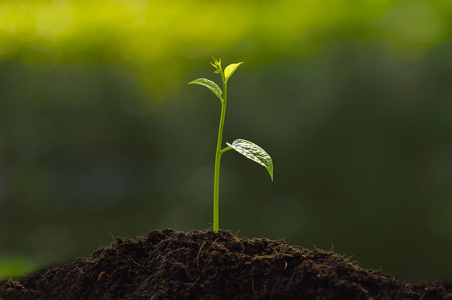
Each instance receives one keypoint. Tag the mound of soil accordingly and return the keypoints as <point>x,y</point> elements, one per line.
<point>168,264</point>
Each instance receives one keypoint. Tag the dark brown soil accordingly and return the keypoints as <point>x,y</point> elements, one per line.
<point>168,264</point>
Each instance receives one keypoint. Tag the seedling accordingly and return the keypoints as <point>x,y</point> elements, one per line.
<point>244,147</point>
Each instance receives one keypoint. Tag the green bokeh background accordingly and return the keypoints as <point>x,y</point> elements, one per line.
<point>100,135</point>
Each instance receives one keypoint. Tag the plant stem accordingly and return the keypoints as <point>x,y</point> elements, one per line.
<point>216,184</point>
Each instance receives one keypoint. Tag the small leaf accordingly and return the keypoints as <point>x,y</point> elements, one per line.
<point>216,63</point>
<point>231,69</point>
<point>212,86</point>
<point>253,152</point>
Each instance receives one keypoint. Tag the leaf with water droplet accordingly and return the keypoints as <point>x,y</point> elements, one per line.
<point>212,86</point>
<point>230,70</point>
<point>253,152</point>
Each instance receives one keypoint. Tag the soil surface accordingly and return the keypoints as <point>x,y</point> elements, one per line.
<point>168,264</point>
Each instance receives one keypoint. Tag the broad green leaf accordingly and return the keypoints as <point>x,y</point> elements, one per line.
<point>231,69</point>
<point>253,152</point>
<point>212,86</point>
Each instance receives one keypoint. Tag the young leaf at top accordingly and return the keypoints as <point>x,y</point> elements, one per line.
<point>253,152</point>
<point>212,86</point>
<point>231,69</point>
<point>216,64</point>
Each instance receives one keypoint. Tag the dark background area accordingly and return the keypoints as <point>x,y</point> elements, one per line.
<point>356,115</point>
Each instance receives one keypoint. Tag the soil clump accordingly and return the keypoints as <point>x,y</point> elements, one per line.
<point>169,264</point>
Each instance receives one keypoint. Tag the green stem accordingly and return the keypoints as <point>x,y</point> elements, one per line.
<point>216,184</point>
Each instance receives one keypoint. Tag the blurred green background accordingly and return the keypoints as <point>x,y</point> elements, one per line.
<point>100,134</point>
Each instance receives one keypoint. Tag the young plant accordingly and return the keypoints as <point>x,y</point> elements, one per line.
<point>244,147</point>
